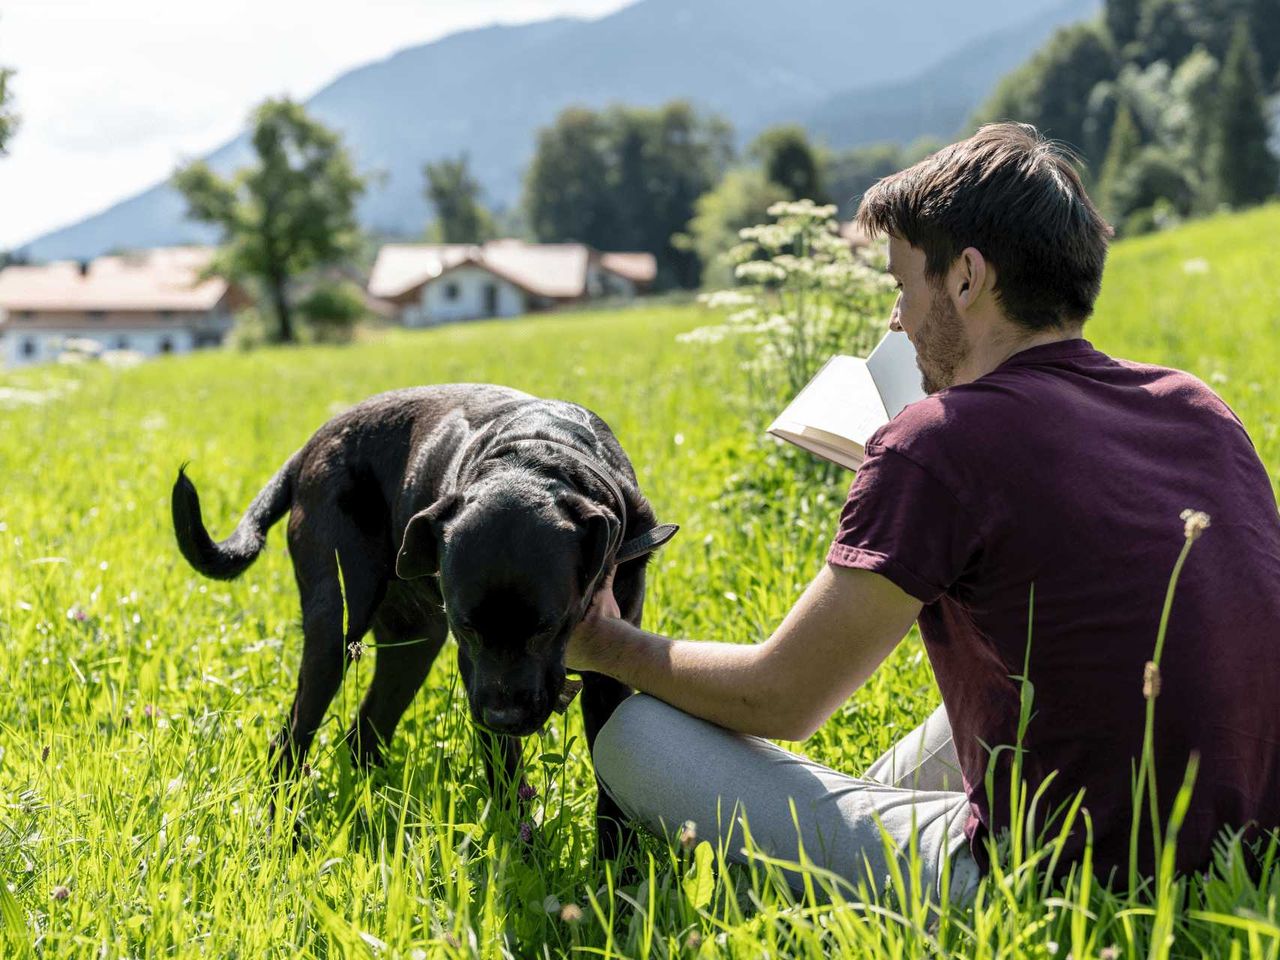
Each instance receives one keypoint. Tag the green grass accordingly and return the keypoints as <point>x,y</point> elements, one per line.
<point>136,699</point>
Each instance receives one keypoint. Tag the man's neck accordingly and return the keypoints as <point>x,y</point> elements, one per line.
<point>990,352</point>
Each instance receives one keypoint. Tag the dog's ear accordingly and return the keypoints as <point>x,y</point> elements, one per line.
<point>599,529</point>
<point>419,554</point>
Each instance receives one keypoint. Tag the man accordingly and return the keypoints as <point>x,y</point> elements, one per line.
<point>1036,461</point>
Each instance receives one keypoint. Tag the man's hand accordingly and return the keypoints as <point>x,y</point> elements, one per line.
<point>590,637</point>
<point>838,632</point>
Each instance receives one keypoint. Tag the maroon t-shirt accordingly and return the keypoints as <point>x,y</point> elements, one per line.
<point>1068,469</point>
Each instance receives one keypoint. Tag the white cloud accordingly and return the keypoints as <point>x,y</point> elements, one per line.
<point>114,94</point>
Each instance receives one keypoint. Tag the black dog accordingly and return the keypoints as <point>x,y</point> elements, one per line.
<point>465,507</point>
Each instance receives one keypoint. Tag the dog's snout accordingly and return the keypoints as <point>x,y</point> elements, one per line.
<point>506,719</point>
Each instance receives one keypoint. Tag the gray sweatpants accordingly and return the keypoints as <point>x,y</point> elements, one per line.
<point>664,768</point>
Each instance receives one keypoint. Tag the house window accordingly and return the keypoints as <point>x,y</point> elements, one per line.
<point>28,347</point>
<point>97,315</point>
<point>451,291</point>
<point>122,343</point>
<point>24,315</point>
<point>166,345</point>
<point>166,316</point>
<point>491,299</point>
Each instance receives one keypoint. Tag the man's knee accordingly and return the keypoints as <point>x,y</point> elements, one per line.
<point>634,739</point>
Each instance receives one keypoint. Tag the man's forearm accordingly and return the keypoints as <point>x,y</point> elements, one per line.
<point>726,683</point>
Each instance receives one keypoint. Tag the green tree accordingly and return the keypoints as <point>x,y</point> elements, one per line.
<point>790,160</point>
<point>454,194</point>
<point>1243,170</point>
<point>626,178</point>
<point>8,119</point>
<point>1122,18</point>
<point>1052,89</point>
<point>1125,142</point>
<point>566,186</point>
<point>293,210</point>
<point>741,199</point>
<point>1168,31</point>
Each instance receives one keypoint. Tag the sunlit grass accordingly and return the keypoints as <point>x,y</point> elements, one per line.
<point>137,699</point>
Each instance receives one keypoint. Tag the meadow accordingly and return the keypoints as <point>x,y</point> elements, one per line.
<point>136,698</point>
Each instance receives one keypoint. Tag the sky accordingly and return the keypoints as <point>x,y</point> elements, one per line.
<point>114,94</point>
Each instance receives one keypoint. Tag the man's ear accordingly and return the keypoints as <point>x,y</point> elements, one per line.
<point>974,279</point>
<point>420,549</point>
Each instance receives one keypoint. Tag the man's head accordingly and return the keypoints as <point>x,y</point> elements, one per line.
<point>993,241</point>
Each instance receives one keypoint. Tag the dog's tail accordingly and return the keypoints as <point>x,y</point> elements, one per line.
<point>231,557</point>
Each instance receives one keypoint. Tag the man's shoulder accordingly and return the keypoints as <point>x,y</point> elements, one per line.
<point>945,422</point>
<point>1009,402</point>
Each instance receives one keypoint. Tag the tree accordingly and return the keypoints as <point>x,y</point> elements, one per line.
<point>1242,168</point>
<point>1122,18</point>
<point>292,211</point>
<point>1126,141</point>
<point>1168,31</point>
<point>8,119</point>
<point>1052,89</point>
<point>454,194</point>
<point>789,160</point>
<point>627,178</point>
<point>566,184</point>
<point>741,199</point>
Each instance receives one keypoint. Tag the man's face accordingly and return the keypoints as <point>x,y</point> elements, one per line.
<point>928,317</point>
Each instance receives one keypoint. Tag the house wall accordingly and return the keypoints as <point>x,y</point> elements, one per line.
<point>468,303</point>
<point>40,338</point>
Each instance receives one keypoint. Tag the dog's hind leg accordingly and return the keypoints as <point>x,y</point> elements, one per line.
<point>327,600</point>
<point>409,634</point>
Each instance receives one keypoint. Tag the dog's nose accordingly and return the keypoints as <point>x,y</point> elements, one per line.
<point>503,719</point>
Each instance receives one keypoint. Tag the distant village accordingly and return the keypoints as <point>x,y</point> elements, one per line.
<point>163,301</point>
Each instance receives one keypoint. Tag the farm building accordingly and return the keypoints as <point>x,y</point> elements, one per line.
<point>152,302</point>
<point>438,283</point>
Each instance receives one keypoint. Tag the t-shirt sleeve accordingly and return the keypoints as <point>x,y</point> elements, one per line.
<point>902,523</point>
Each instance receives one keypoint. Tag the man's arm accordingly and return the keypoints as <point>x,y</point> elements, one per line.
<point>842,627</point>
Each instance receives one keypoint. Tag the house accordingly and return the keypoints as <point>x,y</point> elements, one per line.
<point>434,283</point>
<point>152,302</point>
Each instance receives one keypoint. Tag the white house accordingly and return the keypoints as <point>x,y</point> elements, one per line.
<point>434,283</point>
<point>152,302</point>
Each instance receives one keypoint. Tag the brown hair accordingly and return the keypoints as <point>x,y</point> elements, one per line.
<point>1018,199</point>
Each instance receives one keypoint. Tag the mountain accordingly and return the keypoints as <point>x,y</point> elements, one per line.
<point>937,101</point>
<point>487,91</point>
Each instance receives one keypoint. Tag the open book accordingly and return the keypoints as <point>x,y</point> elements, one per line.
<point>849,399</point>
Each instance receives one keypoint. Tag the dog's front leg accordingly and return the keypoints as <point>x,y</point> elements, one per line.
<point>600,697</point>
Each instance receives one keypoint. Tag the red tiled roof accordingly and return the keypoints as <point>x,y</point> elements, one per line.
<point>636,267</point>
<point>162,279</point>
<point>557,271</point>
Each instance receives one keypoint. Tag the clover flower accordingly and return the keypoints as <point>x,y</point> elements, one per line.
<point>571,913</point>
<point>689,835</point>
<point>1195,522</point>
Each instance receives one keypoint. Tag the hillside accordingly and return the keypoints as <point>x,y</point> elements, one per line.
<point>139,697</point>
<point>487,91</point>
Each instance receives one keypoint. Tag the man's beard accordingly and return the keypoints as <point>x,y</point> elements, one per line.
<point>941,345</point>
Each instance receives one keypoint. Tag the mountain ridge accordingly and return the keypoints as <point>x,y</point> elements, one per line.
<point>736,57</point>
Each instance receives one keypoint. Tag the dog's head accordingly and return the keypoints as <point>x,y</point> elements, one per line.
<point>517,573</point>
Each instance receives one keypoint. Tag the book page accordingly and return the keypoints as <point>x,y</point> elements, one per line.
<point>841,399</point>
<point>893,367</point>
